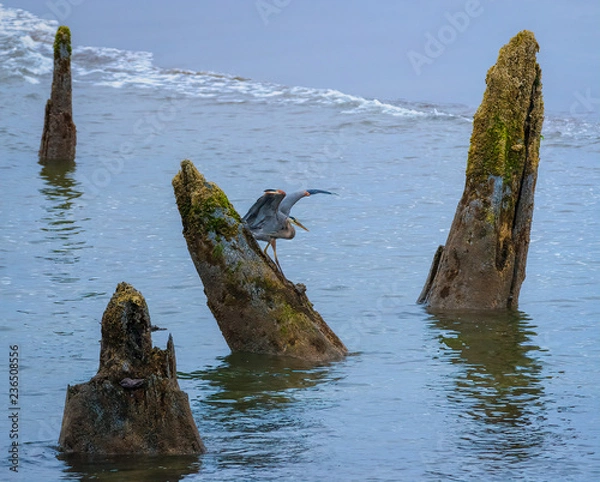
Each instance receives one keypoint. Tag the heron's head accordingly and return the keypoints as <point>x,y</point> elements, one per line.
<point>297,223</point>
<point>310,192</point>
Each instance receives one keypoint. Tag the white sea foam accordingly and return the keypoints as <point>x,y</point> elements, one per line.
<point>25,44</point>
<point>26,53</point>
<point>570,127</point>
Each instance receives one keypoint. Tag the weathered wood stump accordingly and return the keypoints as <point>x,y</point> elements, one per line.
<point>133,405</point>
<point>59,137</point>
<point>257,309</point>
<point>482,265</point>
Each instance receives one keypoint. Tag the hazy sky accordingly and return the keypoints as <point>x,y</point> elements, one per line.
<point>388,49</point>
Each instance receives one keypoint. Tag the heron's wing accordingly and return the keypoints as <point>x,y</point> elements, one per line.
<point>263,210</point>
<point>292,198</point>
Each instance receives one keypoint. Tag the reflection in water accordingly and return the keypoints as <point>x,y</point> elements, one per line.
<point>61,229</point>
<point>129,468</point>
<point>246,381</point>
<point>256,405</point>
<point>499,387</point>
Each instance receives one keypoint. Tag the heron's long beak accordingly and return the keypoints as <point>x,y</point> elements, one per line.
<point>297,223</point>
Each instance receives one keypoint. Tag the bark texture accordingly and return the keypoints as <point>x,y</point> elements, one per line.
<point>482,265</point>
<point>257,309</point>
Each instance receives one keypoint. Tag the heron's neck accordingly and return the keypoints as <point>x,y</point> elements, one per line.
<point>289,232</point>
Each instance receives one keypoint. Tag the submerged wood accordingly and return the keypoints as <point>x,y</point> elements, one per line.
<point>482,265</point>
<point>59,137</point>
<point>133,405</point>
<point>257,309</point>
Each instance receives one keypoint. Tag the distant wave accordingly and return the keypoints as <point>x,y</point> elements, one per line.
<point>26,46</point>
<point>120,68</point>
<point>26,54</point>
<point>564,128</point>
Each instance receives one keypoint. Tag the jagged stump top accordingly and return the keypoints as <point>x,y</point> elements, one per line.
<point>126,349</point>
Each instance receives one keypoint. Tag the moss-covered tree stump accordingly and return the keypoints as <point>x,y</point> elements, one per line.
<point>59,137</point>
<point>257,309</point>
<point>482,265</point>
<point>133,405</point>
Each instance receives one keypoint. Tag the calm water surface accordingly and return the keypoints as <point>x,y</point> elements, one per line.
<point>467,397</point>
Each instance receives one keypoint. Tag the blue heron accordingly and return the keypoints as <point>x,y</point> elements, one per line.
<point>269,217</point>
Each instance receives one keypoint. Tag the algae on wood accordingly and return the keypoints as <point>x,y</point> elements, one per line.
<point>59,137</point>
<point>133,405</point>
<point>257,309</point>
<point>482,265</point>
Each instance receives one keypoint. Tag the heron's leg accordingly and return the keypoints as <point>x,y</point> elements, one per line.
<point>267,246</point>
<point>273,241</point>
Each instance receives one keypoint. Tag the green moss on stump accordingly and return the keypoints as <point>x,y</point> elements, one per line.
<point>63,37</point>
<point>207,208</point>
<point>218,251</point>
<point>499,143</point>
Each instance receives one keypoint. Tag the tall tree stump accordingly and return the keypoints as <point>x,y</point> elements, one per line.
<point>482,265</point>
<point>59,137</point>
